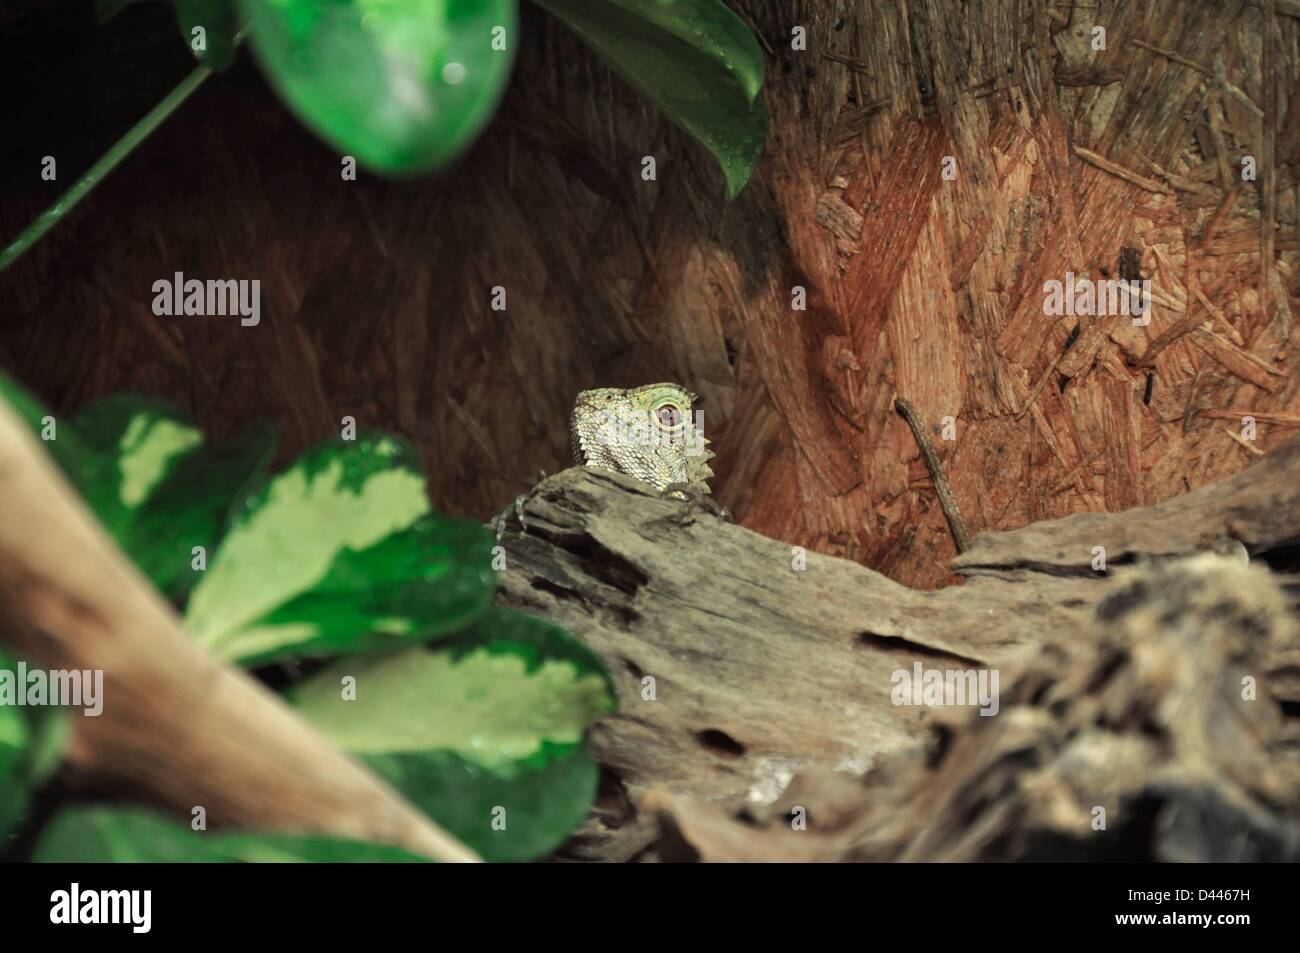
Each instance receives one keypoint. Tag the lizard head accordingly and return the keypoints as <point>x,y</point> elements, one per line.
<point>651,433</point>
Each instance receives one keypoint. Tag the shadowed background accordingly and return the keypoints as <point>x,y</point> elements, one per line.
<point>376,295</point>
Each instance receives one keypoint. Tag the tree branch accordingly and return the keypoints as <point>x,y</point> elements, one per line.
<point>177,725</point>
<point>737,670</point>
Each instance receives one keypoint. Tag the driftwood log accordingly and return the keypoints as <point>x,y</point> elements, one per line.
<point>744,681</point>
<point>1069,158</point>
<point>755,681</point>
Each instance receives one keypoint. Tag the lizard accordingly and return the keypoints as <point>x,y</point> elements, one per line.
<point>650,433</point>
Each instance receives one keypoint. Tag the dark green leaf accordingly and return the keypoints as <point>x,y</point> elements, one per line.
<point>61,441</point>
<point>208,28</point>
<point>117,835</point>
<point>341,553</point>
<point>494,694</point>
<point>403,87</point>
<point>134,443</point>
<point>522,816</point>
<point>157,488</point>
<point>491,718</point>
<point>15,741</point>
<point>31,743</point>
<point>426,581</point>
<point>191,507</point>
<point>694,59</point>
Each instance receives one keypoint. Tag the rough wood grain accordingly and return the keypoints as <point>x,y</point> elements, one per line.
<point>376,294</point>
<point>761,671</point>
<point>1136,736</point>
<point>1257,507</point>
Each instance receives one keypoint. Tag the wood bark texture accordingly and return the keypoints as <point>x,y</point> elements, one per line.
<point>376,295</point>
<point>739,673</point>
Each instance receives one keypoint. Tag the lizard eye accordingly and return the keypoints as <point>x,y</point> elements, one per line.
<point>668,415</point>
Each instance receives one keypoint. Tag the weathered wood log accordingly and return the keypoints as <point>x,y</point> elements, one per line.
<point>742,662</point>
<point>177,726</point>
<point>1148,734</point>
<point>1258,507</point>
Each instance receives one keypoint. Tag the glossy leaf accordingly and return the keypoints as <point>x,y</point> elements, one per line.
<point>493,717</point>
<point>128,835</point>
<point>536,807</point>
<point>219,23</point>
<point>493,694</point>
<point>694,59</point>
<point>341,553</point>
<point>402,85</point>
<point>191,507</point>
<point>157,488</point>
<point>134,443</point>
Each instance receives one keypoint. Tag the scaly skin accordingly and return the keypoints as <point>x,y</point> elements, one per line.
<point>649,433</point>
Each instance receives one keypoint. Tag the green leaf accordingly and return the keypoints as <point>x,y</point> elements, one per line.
<point>31,743</point>
<point>134,444</point>
<point>157,488</point>
<point>341,553</point>
<point>15,741</point>
<point>493,694</point>
<point>191,506</point>
<point>49,729</point>
<point>694,59</point>
<point>402,85</point>
<point>144,471</point>
<point>219,23</point>
<point>493,717</point>
<point>60,440</point>
<point>128,835</point>
<point>540,803</point>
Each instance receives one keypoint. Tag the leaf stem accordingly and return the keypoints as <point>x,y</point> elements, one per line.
<point>102,167</point>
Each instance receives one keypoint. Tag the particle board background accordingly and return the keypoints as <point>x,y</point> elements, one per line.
<point>375,294</point>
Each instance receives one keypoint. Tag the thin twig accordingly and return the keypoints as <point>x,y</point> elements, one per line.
<point>1174,56</point>
<point>1189,412</point>
<point>1250,447</point>
<point>960,534</point>
<point>1220,213</point>
<point>102,167</point>
<point>1268,187</point>
<point>1261,416</point>
<point>854,64</point>
<point>1042,382</point>
<point>1117,170</point>
<point>1235,91</point>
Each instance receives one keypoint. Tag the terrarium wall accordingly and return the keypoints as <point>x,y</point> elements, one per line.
<point>929,165</point>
